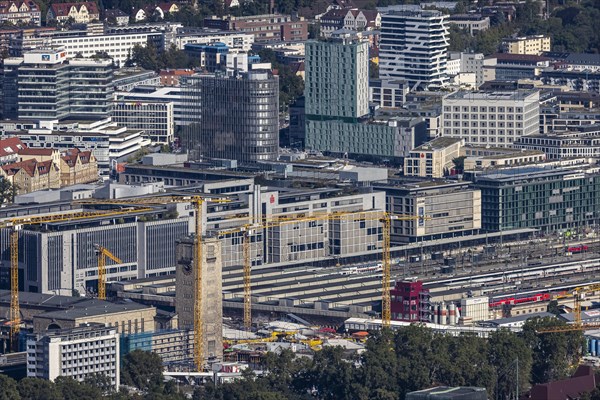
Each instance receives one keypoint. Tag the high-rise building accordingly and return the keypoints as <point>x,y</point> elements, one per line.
<point>337,78</point>
<point>414,46</point>
<point>77,353</point>
<point>45,85</point>
<point>237,116</point>
<point>211,303</point>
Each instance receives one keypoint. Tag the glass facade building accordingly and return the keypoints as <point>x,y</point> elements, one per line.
<point>546,198</point>
<point>237,116</point>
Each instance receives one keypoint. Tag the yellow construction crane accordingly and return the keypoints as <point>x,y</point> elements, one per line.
<point>383,217</point>
<point>15,224</point>
<point>197,201</point>
<point>578,295</point>
<point>103,253</point>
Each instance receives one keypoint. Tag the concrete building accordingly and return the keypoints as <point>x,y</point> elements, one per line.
<point>475,308</point>
<point>474,23</point>
<point>171,345</point>
<point>44,85</point>
<point>388,93</point>
<point>337,77</point>
<point>156,119</point>
<point>575,80</point>
<point>187,292</point>
<point>78,353</point>
<point>237,116</point>
<point>534,45</point>
<point>410,302</point>
<point>514,67</point>
<point>413,46</point>
<point>493,157</point>
<point>433,159</point>
<point>184,112</point>
<point>563,197</point>
<point>473,63</point>
<point>265,28</point>
<point>108,142</point>
<point>447,208</point>
<point>235,40</point>
<point>117,46</point>
<point>494,118</point>
<point>574,143</point>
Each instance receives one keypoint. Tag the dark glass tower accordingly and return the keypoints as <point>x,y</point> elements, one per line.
<point>237,116</point>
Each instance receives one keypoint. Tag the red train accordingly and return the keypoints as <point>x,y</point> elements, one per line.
<point>577,249</point>
<point>521,300</point>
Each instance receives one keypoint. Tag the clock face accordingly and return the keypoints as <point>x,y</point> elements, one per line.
<point>187,269</point>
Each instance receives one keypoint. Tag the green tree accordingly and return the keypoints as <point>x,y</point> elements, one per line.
<point>505,348</point>
<point>459,163</point>
<point>9,388</point>
<point>143,370</point>
<point>70,389</point>
<point>38,389</point>
<point>100,381</point>
<point>373,70</point>
<point>553,308</point>
<point>554,353</point>
<point>8,191</point>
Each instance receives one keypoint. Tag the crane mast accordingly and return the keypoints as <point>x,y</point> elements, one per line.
<point>103,253</point>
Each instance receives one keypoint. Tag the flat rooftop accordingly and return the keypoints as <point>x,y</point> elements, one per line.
<point>437,144</point>
<point>492,95</point>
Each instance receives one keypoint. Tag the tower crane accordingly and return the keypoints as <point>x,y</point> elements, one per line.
<point>383,217</point>
<point>15,224</point>
<point>103,253</point>
<point>578,295</point>
<point>197,202</point>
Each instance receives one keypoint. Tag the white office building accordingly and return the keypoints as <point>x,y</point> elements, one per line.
<point>184,112</point>
<point>414,46</point>
<point>154,118</point>
<point>491,118</point>
<point>233,39</point>
<point>76,353</point>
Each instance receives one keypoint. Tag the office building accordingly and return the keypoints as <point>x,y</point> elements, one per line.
<point>156,119</point>
<point>494,118</point>
<point>473,23</point>
<point>235,40</point>
<point>573,80</point>
<point>514,67</point>
<point>44,85</point>
<point>494,157</point>
<point>145,245</point>
<point>433,159</point>
<point>337,77</point>
<point>211,300</point>
<point>576,142</point>
<point>473,63</point>
<point>448,209</point>
<point>237,116</point>
<point>410,302</point>
<point>77,353</point>
<point>265,28</point>
<point>184,112</point>
<point>413,46</point>
<point>388,93</point>
<point>533,45</point>
<point>548,198</point>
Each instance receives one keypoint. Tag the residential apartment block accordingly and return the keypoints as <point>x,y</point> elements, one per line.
<point>494,118</point>
<point>533,45</point>
<point>265,28</point>
<point>348,18</point>
<point>32,175</point>
<point>78,353</point>
<point>20,13</point>
<point>413,46</point>
<point>83,12</point>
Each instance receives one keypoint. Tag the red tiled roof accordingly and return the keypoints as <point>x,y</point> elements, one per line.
<point>36,152</point>
<point>62,9</point>
<point>176,72</point>
<point>166,6</point>
<point>11,146</point>
<point>5,6</point>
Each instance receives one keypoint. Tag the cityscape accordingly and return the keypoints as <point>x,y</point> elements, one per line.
<point>300,199</point>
